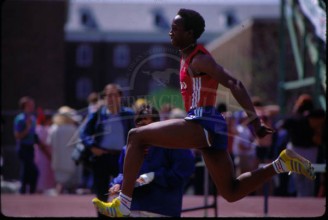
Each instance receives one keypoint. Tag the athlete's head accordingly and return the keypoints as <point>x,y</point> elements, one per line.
<point>187,26</point>
<point>193,21</point>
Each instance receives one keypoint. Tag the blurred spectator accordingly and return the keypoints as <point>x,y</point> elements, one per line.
<point>46,180</point>
<point>62,137</point>
<point>138,103</point>
<point>105,133</point>
<point>94,102</point>
<point>231,123</point>
<point>177,113</point>
<point>86,182</point>
<point>243,147</point>
<point>302,140</point>
<point>26,137</point>
<point>165,111</point>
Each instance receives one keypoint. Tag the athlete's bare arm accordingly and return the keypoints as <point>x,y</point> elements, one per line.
<point>203,63</point>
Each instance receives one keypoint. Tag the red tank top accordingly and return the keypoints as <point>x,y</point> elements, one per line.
<point>199,90</point>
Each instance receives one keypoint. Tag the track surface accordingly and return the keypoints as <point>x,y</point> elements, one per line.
<point>80,206</point>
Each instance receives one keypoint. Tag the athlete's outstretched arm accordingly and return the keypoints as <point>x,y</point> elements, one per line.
<point>203,63</point>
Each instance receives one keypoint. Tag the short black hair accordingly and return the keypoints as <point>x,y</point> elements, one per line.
<point>192,20</point>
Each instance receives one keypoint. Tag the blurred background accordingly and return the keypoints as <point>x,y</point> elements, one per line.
<point>58,52</point>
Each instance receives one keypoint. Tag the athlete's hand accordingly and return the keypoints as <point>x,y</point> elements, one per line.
<point>263,130</point>
<point>260,129</point>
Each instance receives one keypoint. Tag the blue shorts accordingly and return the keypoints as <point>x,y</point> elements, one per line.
<point>212,122</point>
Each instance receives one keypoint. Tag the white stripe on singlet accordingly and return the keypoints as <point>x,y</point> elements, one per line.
<point>193,93</point>
<point>196,91</point>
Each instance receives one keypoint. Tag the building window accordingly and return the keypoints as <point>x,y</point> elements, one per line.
<point>83,88</point>
<point>84,55</point>
<point>121,56</point>
<point>157,57</point>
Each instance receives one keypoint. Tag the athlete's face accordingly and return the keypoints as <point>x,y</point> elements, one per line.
<point>179,36</point>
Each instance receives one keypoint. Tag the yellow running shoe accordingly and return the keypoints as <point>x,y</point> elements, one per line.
<point>296,163</point>
<point>110,209</point>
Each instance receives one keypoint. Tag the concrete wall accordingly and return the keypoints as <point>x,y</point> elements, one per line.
<point>250,52</point>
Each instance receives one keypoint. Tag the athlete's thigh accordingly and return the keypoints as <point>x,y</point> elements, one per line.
<point>220,167</point>
<point>173,133</point>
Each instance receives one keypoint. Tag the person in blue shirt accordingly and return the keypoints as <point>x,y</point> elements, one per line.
<point>26,137</point>
<point>105,132</point>
<point>163,175</point>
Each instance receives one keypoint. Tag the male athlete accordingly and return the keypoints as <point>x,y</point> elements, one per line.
<point>203,128</point>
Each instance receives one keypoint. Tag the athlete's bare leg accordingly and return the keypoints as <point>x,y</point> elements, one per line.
<point>174,133</point>
<point>179,133</point>
<point>220,167</point>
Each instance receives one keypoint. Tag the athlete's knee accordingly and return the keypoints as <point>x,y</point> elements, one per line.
<point>134,135</point>
<point>230,198</point>
<point>232,194</point>
<point>135,139</point>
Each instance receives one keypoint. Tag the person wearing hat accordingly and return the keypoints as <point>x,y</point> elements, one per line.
<point>63,134</point>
